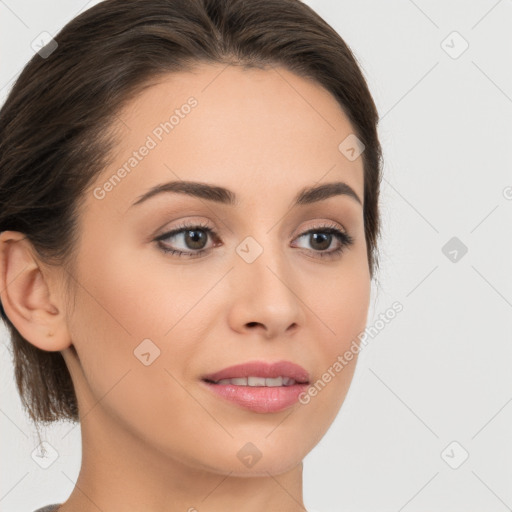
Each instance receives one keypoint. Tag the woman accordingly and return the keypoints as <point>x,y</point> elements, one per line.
<point>189,221</point>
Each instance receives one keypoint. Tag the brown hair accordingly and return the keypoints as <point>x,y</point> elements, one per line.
<point>55,133</point>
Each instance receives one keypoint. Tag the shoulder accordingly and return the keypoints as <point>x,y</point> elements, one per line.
<point>48,508</point>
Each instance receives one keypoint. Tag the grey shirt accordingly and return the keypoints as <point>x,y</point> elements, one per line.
<point>53,508</point>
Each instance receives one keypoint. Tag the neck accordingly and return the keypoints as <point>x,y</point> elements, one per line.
<point>121,472</point>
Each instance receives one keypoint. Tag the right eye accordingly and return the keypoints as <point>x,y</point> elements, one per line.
<point>193,237</point>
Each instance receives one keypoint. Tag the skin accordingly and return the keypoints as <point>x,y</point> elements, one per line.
<point>153,438</point>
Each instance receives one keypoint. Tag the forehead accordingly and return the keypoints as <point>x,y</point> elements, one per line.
<point>235,127</point>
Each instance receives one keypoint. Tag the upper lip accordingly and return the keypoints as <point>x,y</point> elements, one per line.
<point>261,369</point>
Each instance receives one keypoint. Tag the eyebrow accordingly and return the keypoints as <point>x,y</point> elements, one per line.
<point>225,196</point>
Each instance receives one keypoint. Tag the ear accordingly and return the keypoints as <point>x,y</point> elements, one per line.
<point>32,307</point>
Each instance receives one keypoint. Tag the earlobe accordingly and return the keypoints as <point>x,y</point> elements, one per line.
<point>26,297</point>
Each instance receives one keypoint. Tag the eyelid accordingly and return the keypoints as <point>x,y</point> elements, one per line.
<point>320,225</point>
<point>188,224</point>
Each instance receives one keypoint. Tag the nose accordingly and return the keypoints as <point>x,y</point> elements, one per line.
<point>265,297</point>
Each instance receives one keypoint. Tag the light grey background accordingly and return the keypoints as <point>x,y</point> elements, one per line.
<point>440,371</point>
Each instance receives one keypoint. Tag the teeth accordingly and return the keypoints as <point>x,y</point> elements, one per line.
<point>258,381</point>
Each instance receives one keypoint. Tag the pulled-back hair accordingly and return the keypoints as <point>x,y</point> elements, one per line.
<point>55,135</point>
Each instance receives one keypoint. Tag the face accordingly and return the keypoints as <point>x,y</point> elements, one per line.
<point>258,279</point>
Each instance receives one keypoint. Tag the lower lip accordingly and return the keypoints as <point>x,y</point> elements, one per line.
<point>259,398</point>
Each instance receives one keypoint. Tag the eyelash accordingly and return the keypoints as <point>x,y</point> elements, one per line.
<point>344,239</point>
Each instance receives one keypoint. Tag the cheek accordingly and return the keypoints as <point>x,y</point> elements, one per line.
<point>341,306</point>
<point>343,309</point>
<point>134,295</point>
<point>123,298</point>
<point>117,306</point>
<point>340,298</point>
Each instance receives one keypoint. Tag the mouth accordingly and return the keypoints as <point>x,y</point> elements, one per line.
<point>259,386</point>
<point>253,381</point>
<point>260,373</point>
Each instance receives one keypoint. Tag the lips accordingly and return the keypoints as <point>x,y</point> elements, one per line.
<point>261,369</point>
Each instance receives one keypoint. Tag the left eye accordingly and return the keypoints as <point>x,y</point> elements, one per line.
<point>323,237</point>
<point>194,239</point>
